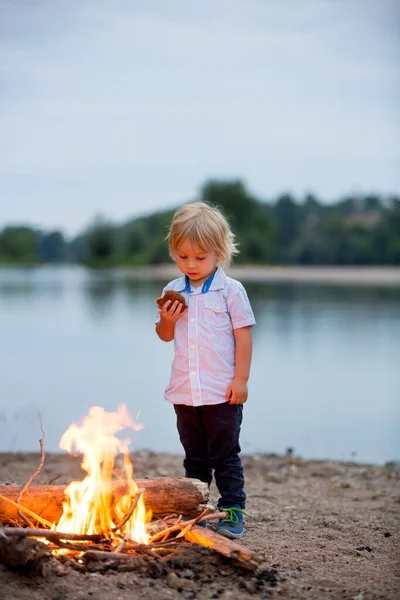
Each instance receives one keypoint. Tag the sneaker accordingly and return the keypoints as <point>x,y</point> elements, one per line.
<point>233,525</point>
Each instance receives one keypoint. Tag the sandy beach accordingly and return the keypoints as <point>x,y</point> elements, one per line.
<point>324,530</point>
<point>367,276</point>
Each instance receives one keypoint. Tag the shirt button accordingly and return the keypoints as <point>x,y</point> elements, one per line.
<point>192,346</point>
<point>193,373</point>
<point>218,307</point>
<point>192,320</point>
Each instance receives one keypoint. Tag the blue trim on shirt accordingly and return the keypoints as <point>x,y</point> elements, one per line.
<point>204,288</point>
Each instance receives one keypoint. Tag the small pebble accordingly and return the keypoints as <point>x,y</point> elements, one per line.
<point>173,581</point>
<point>249,587</point>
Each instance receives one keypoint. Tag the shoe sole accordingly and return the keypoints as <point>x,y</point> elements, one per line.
<point>229,534</point>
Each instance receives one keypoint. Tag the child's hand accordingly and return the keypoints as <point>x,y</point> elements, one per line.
<point>172,311</point>
<point>237,392</point>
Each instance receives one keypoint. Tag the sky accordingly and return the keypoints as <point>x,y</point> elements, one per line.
<point>121,108</point>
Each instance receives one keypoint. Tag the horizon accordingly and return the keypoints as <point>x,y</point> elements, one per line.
<point>125,110</point>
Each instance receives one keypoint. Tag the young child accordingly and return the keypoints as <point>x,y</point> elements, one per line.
<point>213,347</point>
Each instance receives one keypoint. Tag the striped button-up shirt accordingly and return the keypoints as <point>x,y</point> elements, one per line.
<point>204,344</point>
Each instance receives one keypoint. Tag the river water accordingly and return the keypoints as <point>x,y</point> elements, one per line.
<point>325,377</point>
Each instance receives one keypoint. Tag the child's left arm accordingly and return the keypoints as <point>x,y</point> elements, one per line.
<point>237,390</point>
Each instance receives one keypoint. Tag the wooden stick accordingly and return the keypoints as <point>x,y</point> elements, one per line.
<point>51,535</point>
<point>170,544</point>
<point>190,524</point>
<point>35,474</point>
<point>238,554</point>
<point>127,517</point>
<point>130,511</point>
<point>72,563</point>
<point>121,556</point>
<point>26,510</point>
<point>76,547</point>
<point>56,544</point>
<point>179,525</point>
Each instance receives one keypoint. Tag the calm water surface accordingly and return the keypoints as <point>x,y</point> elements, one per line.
<point>325,376</point>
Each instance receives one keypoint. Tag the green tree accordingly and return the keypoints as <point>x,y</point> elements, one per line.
<point>135,238</point>
<point>76,250</point>
<point>287,216</point>
<point>249,218</point>
<point>101,242</point>
<point>18,244</point>
<point>358,246</point>
<point>52,247</point>
<point>393,251</point>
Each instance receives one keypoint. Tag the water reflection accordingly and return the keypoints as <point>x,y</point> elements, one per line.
<point>100,298</point>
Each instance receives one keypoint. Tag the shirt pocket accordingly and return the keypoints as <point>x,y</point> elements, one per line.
<point>216,313</point>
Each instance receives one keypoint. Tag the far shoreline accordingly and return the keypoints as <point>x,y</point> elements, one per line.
<point>362,276</point>
<point>368,276</point>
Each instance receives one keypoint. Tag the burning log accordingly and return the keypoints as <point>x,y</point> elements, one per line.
<point>163,495</point>
<point>237,554</point>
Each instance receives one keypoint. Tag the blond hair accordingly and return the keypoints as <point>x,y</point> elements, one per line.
<point>205,226</point>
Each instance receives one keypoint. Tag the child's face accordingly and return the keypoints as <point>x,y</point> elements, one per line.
<point>195,263</point>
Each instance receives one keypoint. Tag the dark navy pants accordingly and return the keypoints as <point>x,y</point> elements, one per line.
<point>210,438</point>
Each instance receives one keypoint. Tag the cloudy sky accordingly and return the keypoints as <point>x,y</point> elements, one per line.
<point>123,107</point>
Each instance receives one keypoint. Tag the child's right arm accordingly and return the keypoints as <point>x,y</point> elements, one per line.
<point>170,314</point>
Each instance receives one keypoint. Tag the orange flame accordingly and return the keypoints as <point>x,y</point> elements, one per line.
<point>89,507</point>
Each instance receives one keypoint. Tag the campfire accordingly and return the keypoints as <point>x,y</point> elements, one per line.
<point>108,518</point>
<point>88,508</point>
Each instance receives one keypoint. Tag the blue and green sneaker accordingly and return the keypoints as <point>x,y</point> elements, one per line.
<point>233,525</point>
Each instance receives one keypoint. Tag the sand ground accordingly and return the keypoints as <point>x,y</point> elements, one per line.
<point>329,529</point>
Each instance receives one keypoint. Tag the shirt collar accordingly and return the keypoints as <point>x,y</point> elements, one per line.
<point>216,281</point>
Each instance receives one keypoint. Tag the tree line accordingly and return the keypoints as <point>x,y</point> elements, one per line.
<point>356,230</point>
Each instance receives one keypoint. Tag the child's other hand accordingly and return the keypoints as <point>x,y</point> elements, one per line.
<point>237,392</point>
<point>172,311</point>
